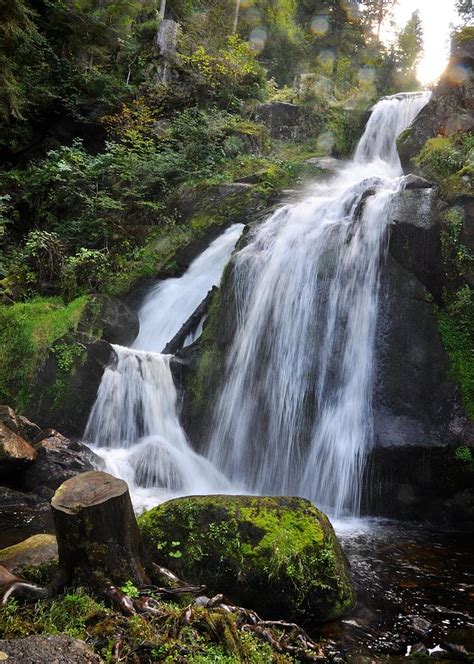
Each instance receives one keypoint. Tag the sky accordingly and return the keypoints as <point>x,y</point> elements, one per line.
<point>436,16</point>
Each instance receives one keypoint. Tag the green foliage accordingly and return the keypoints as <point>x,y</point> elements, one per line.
<point>174,635</point>
<point>448,160</point>
<point>226,76</point>
<point>455,324</point>
<point>458,259</point>
<point>27,330</point>
<point>463,453</point>
<point>65,615</point>
<point>130,590</point>
<point>441,157</point>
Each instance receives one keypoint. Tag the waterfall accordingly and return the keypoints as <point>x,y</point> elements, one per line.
<point>295,412</point>
<point>134,425</point>
<point>294,415</point>
<point>170,303</point>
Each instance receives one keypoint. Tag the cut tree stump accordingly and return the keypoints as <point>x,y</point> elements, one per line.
<point>96,530</point>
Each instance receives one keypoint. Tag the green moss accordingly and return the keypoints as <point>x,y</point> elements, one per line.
<point>465,34</point>
<point>242,545</point>
<point>173,635</point>
<point>448,160</point>
<point>455,324</point>
<point>27,330</point>
<point>458,185</point>
<point>155,256</point>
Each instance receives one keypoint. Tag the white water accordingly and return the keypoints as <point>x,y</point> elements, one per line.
<point>134,425</point>
<point>294,415</point>
<point>170,303</point>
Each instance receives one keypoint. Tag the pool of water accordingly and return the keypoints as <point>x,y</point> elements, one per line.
<point>415,586</point>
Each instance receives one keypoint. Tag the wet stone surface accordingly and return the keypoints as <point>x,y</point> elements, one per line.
<point>415,591</point>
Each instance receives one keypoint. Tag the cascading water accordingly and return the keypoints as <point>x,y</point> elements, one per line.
<point>294,415</point>
<point>134,425</point>
<point>170,303</point>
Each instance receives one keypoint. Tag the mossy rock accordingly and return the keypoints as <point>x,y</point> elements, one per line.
<point>277,555</point>
<point>36,557</point>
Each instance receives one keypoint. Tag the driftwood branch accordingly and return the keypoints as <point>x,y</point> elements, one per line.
<point>189,326</point>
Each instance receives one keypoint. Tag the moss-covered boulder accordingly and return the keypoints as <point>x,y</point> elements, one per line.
<point>35,551</point>
<point>277,555</point>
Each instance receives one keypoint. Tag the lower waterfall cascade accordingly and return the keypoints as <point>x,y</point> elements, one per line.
<point>294,415</point>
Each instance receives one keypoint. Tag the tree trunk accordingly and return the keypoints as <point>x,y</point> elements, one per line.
<point>162,9</point>
<point>236,17</point>
<point>96,529</point>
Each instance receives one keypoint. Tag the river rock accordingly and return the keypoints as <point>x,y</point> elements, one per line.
<point>58,459</point>
<point>15,452</point>
<point>277,555</point>
<point>35,550</point>
<point>59,649</point>
<point>22,515</point>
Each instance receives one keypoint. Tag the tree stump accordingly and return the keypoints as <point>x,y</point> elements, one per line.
<point>97,531</point>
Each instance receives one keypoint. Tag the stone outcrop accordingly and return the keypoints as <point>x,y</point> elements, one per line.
<point>287,121</point>
<point>277,555</point>
<point>110,319</point>
<point>66,385</point>
<point>29,483</point>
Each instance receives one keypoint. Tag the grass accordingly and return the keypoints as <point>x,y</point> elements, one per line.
<point>27,330</point>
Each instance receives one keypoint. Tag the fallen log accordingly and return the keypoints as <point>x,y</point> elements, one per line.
<point>189,326</point>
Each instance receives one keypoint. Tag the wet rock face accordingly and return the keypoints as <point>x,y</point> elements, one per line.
<point>22,515</point>
<point>111,319</point>
<point>277,555</point>
<point>60,649</point>
<point>414,398</point>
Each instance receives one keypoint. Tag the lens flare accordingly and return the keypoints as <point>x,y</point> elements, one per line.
<point>257,39</point>
<point>319,25</point>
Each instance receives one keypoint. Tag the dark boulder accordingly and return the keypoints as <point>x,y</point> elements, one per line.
<point>22,515</point>
<point>58,459</point>
<point>60,649</point>
<point>415,234</point>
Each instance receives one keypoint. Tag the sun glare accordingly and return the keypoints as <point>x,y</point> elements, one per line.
<point>437,17</point>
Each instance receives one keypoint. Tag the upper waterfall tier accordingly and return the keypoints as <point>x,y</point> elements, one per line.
<point>170,303</point>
